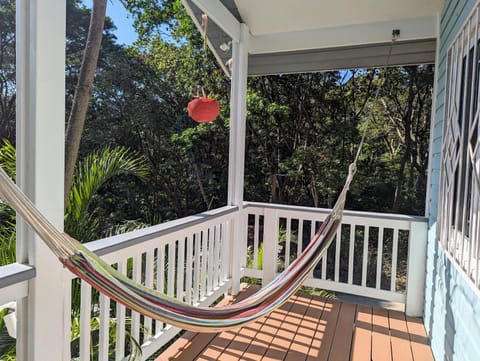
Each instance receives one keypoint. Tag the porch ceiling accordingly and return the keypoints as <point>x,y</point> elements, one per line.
<point>286,16</point>
<point>302,29</point>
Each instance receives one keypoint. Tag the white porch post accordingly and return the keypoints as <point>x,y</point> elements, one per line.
<point>43,318</point>
<point>236,162</point>
<point>417,258</point>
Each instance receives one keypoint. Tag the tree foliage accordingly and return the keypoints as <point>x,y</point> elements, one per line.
<point>7,69</point>
<point>302,129</point>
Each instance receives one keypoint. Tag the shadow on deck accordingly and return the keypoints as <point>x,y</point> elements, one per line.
<point>312,328</point>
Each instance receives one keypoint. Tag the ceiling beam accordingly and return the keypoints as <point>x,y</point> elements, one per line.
<point>219,14</point>
<point>209,43</point>
<point>370,33</point>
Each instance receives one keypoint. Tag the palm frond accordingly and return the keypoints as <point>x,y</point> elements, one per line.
<point>91,173</point>
<point>7,158</point>
<point>7,214</point>
<point>126,226</point>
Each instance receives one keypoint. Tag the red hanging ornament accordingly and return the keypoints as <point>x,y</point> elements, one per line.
<point>203,110</point>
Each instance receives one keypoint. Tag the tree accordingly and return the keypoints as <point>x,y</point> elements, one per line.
<point>7,70</point>
<point>76,120</point>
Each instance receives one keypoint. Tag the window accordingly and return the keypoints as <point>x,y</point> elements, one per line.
<point>460,181</point>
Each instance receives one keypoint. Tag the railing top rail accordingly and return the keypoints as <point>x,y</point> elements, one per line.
<point>111,244</point>
<point>383,216</point>
<point>15,273</point>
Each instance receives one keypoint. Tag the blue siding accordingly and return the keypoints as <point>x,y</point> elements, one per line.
<point>452,303</point>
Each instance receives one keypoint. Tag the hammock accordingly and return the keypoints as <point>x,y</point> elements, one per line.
<point>90,268</point>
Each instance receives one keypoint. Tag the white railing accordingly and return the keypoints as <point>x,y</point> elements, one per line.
<point>193,259</point>
<point>13,289</point>
<point>187,259</point>
<point>14,282</point>
<point>370,255</point>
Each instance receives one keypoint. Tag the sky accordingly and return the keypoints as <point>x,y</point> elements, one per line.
<point>125,32</point>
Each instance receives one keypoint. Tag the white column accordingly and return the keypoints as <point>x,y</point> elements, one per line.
<point>44,319</point>
<point>270,245</point>
<point>417,258</point>
<point>236,161</point>
<point>238,111</point>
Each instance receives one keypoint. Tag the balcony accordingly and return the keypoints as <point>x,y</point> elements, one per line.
<point>200,258</point>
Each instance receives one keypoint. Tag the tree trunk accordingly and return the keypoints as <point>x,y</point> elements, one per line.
<point>407,126</point>
<point>83,90</point>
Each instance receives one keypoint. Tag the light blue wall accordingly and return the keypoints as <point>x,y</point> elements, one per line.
<point>452,304</point>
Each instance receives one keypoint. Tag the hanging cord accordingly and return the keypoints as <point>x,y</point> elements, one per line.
<point>204,30</point>
<point>204,55</point>
<point>352,168</point>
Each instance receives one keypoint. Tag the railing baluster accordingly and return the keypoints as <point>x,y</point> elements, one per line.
<point>300,237</point>
<point>351,251</point>
<point>103,337</point>
<point>204,261</point>
<point>196,269</point>
<point>379,259</point>
<point>171,268</point>
<point>244,239</point>
<point>224,244</point>
<point>216,272</point>
<point>338,243</point>
<point>180,268</point>
<point>366,236</point>
<point>211,263</point>
<point>160,265</point>
<point>256,232</point>
<point>85,315</point>
<point>288,238</point>
<point>120,314</point>
<point>149,275</point>
<point>188,272</point>
<point>393,279</point>
<point>136,276</point>
<point>161,269</point>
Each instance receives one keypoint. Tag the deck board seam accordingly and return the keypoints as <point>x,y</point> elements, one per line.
<point>298,326</point>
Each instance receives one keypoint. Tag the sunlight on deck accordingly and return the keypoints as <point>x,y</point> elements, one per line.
<point>312,328</point>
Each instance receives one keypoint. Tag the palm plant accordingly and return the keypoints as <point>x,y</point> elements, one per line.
<point>81,220</point>
<point>94,171</point>
<point>7,214</point>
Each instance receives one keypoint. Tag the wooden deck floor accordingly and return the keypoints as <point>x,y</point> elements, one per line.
<point>312,328</point>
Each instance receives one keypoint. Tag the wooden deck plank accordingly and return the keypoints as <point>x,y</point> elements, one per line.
<point>342,340</point>
<point>267,333</point>
<point>362,338</point>
<point>172,353</point>
<point>399,337</point>
<point>381,348</point>
<point>287,330</point>
<point>241,342</point>
<point>217,347</point>
<point>418,340</point>
<point>313,329</point>
<point>191,344</point>
<point>322,342</point>
<point>304,337</point>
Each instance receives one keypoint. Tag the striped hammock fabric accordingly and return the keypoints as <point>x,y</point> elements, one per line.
<point>90,268</point>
